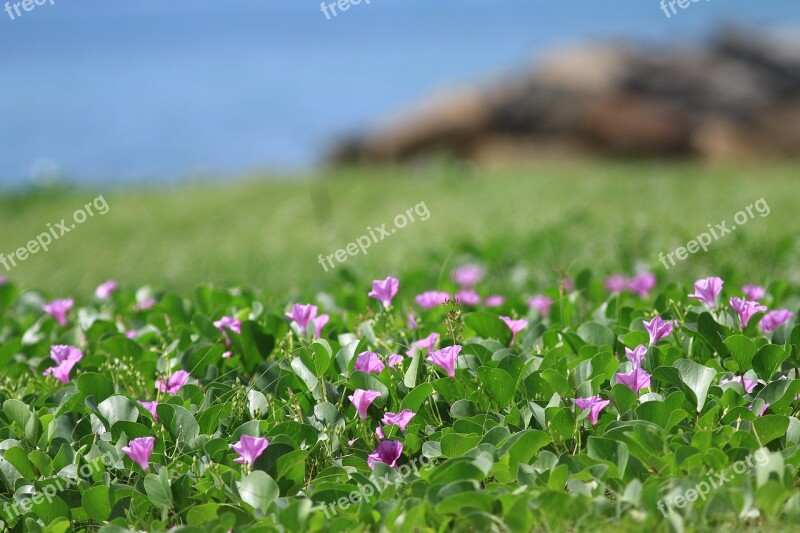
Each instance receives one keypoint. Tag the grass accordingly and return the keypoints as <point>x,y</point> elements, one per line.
<point>269,234</point>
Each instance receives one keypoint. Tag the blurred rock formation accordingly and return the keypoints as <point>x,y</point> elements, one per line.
<point>738,96</point>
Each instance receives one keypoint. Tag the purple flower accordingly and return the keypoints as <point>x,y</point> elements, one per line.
<point>595,404</point>
<point>747,384</point>
<point>379,433</point>
<point>773,319</point>
<point>412,321</point>
<point>227,355</point>
<point>174,383</point>
<point>58,309</point>
<point>657,328</point>
<point>567,284</point>
<point>541,304</point>
<point>424,345</point>
<point>395,360</point>
<point>637,355</point>
<point>131,333</point>
<point>362,399</point>
<point>636,380</point>
<point>754,292</point>
<point>3,281</point>
<point>151,408</point>
<point>228,322</point>
<point>388,452</point>
<point>320,323</point>
<point>106,289</point>
<point>139,451</point>
<point>467,276</point>
<point>616,283</point>
<point>746,309</point>
<point>249,448</point>
<point>706,290</point>
<point>66,357</point>
<point>468,297</point>
<point>369,362</point>
<point>514,325</point>
<point>642,284</point>
<point>302,315</point>
<point>446,359</point>
<point>430,299</point>
<point>384,290</point>
<point>400,419</point>
<point>495,300</point>
<point>145,304</point>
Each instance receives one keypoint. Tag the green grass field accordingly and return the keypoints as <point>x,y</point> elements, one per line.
<point>269,233</point>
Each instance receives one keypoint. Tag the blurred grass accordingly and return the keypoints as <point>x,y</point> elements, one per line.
<point>266,233</point>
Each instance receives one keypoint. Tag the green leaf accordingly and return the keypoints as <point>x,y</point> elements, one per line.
<point>712,333</point>
<point>597,334</point>
<point>158,489</point>
<point>603,449</point>
<point>256,344</point>
<point>95,501</point>
<point>259,491</point>
<point>116,408</point>
<point>692,378</point>
<point>768,360</point>
<point>489,326</point>
<point>416,397</point>
<point>498,384</point>
<point>770,427</point>
<point>742,350</point>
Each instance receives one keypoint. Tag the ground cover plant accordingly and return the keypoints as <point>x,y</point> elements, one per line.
<point>584,403</point>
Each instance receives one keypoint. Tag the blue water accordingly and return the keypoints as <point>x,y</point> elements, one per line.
<point>109,91</point>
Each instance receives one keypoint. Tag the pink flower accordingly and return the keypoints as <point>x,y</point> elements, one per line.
<point>763,409</point>
<point>369,362</point>
<point>541,304</point>
<point>385,290</point>
<point>66,357</point>
<point>412,321</point>
<point>3,281</point>
<point>174,383</point>
<point>514,325</point>
<point>657,328</point>
<point>227,355</point>
<point>131,333</point>
<point>302,315</point>
<point>446,359</point>
<point>567,284</point>
<point>379,433</point>
<point>616,283</point>
<point>430,299</point>
<point>145,304</point>
<point>495,300</point>
<point>151,408</point>
<point>636,380</point>
<point>773,319</point>
<point>424,345</point>
<point>400,419</point>
<point>58,309</point>
<point>228,322</point>
<point>388,452</point>
<point>320,323</point>
<point>637,355</point>
<point>395,360</point>
<point>595,404</point>
<point>754,292</point>
<point>105,290</point>
<point>139,451</point>
<point>468,297</point>
<point>747,384</point>
<point>249,448</point>
<point>467,276</point>
<point>642,284</point>
<point>706,290</point>
<point>746,309</point>
<point>362,399</point>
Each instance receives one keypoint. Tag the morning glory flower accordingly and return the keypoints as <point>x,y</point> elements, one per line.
<point>495,300</point>
<point>385,290</point>
<point>302,315</point>
<point>139,451</point>
<point>467,276</point>
<point>66,357</point>
<point>657,328</point>
<point>746,309</point>
<point>635,380</point>
<point>642,284</point>
<point>412,321</point>
<point>174,383</point>
<point>151,408</point>
<point>514,325</point>
<point>754,292</point>
<point>424,345</point>
<point>595,404</point>
<point>747,384</point>
<point>319,323</point>
<point>145,304</point>
<point>773,319</point>
<point>58,309</point>
<point>249,449</point>
<point>400,419</point>
<point>228,322</point>
<point>616,283</point>
<point>706,290</point>
<point>468,297</point>
<point>105,290</point>
<point>369,362</point>
<point>362,399</point>
<point>446,359</point>
<point>430,299</point>
<point>542,304</point>
<point>388,452</point>
<point>637,355</point>
<point>394,360</point>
